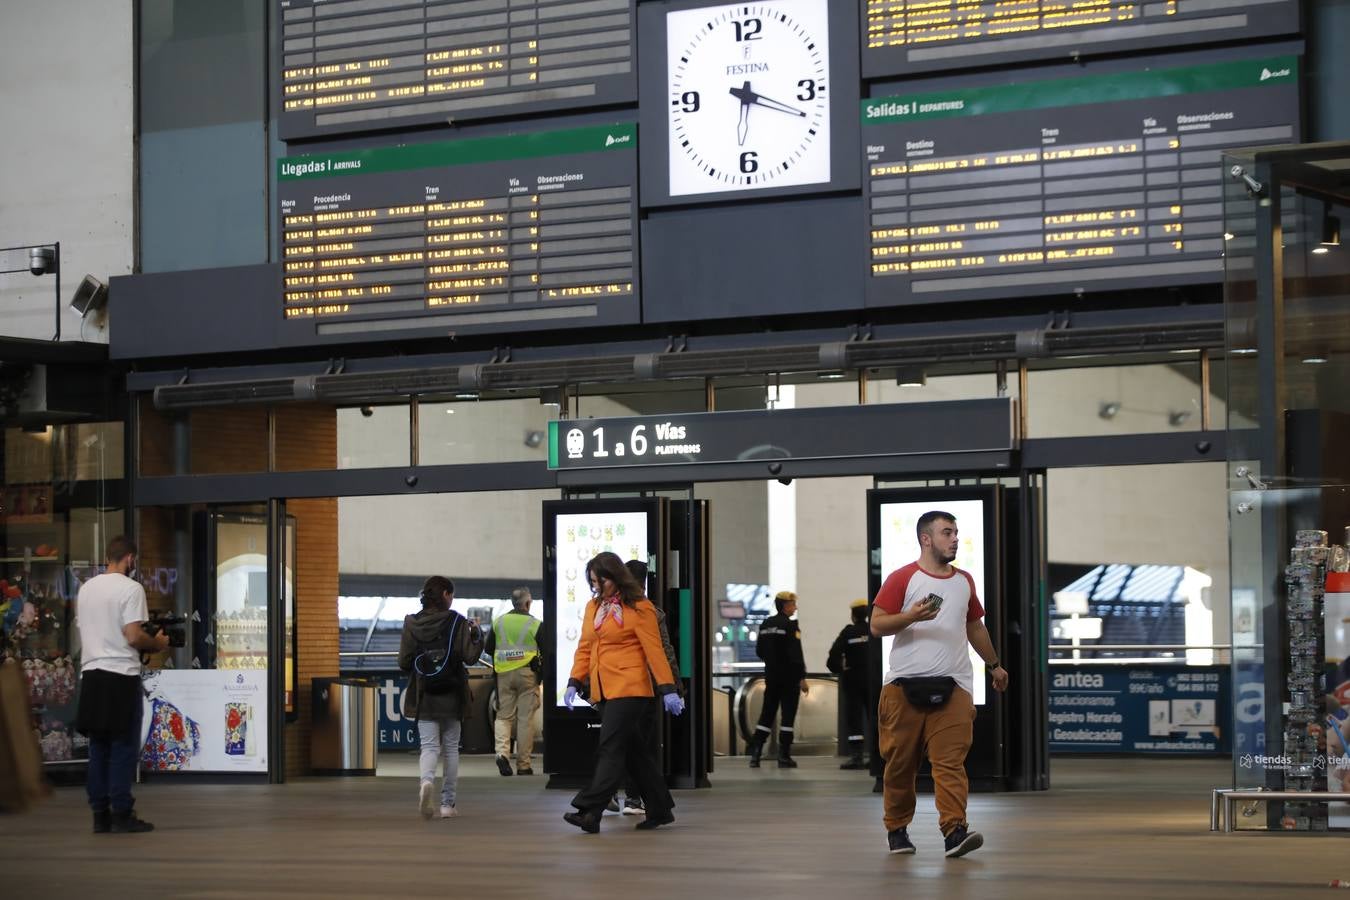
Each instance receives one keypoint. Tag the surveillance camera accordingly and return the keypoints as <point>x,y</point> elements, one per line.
<point>775,468</point>
<point>410,480</point>
<point>785,481</point>
<point>1203,447</point>
<point>367,411</point>
<point>41,260</point>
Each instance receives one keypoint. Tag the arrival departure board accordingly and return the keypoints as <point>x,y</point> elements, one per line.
<point>905,37</point>
<point>532,231</point>
<point>1094,183</point>
<point>360,65</point>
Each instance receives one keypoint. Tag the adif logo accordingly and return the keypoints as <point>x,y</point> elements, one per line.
<point>1246,761</point>
<point>576,442</point>
<point>1266,74</point>
<point>611,140</point>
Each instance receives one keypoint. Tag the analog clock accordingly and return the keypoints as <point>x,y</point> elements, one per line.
<point>749,96</point>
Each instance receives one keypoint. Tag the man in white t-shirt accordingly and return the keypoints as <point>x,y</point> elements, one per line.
<point>109,611</point>
<point>926,702</point>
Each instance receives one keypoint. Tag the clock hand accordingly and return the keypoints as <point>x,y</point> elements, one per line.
<point>743,125</point>
<point>747,96</point>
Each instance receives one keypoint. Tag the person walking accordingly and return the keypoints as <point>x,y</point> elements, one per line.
<point>513,644</point>
<point>620,653</point>
<point>436,645</point>
<point>780,646</point>
<point>110,612</point>
<point>926,703</point>
<point>848,660</point>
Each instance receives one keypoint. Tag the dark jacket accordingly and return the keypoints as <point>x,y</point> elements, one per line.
<point>428,630</point>
<point>848,656</point>
<point>780,646</point>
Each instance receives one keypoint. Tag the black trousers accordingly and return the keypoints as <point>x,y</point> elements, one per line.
<point>780,693</point>
<point>622,749</point>
<point>651,738</point>
<point>857,716</point>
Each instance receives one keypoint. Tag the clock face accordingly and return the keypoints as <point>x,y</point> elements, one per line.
<point>749,100</point>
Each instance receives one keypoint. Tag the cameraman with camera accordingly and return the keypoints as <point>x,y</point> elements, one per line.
<point>111,613</point>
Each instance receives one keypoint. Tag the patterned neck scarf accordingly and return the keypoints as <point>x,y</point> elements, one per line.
<point>609,606</point>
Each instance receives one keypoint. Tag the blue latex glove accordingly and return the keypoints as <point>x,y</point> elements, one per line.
<point>674,705</point>
<point>569,696</point>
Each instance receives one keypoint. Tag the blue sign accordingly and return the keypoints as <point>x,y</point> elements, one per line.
<point>396,732</point>
<point>1140,709</point>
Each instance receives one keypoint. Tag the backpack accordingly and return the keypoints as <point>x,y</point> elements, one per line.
<point>441,669</point>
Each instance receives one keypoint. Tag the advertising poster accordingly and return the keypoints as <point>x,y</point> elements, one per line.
<point>900,547</point>
<point>205,720</point>
<point>1139,709</point>
<point>580,537</point>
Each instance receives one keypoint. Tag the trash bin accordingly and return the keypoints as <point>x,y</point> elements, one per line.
<point>346,714</point>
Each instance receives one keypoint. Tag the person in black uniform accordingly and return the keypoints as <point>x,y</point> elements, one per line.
<point>848,660</point>
<point>780,646</point>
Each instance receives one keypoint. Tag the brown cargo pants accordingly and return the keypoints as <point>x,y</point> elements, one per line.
<point>907,735</point>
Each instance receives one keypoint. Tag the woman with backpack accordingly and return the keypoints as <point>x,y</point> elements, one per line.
<point>437,645</point>
<point>620,653</point>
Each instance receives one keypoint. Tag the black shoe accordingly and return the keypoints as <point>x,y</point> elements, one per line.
<point>899,841</point>
<point>786,762</point>
<point>756,749</point>
<point>586,822</point>
<point>632,806</point>
<point>102,822</point>
<point>525,770</point>
<point>655,821</point>
<point>878,787</point>
<point>503,765</point>
<point>853,762</point>
<point>613,805</point>
<point>128,823</point>
<point>962,840</point>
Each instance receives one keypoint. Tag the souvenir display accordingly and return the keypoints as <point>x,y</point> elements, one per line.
<point>241,639</point>
<point>1304,739</point>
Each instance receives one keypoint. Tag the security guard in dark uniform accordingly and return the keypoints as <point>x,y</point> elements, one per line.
<point>848,660</point>
<point>780,646</point>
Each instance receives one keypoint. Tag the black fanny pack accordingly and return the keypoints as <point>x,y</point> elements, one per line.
<point>927,693</point>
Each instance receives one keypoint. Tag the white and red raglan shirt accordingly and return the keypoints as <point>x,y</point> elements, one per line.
<point>938,647</point>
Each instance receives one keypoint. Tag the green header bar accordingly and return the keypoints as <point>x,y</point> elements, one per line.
<point>458,153</point>
<point>1279,70</point>
<point>553,444</point>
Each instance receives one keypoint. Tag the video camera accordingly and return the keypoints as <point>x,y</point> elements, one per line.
<point>171,624</point>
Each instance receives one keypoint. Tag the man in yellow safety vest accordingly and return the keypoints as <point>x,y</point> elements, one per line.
<point>513,643</point>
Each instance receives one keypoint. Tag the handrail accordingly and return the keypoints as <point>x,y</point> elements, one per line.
<point>367,653</point>
<point>1224,798</point>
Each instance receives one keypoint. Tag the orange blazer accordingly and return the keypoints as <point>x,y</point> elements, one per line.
<point>618,659</point>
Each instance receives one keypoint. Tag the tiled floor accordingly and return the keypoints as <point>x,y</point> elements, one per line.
<point>1109,828</point>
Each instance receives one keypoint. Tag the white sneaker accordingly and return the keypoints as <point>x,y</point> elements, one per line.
<point>448,812</point>
<point>425,804</point>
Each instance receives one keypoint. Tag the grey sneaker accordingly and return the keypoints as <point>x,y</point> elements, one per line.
<point>425,804</point>
<point>632,806</point>
<point>962,840</point>
<point>899,841</point>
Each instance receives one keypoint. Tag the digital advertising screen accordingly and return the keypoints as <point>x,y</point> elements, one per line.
<point>580,536</point>
<point>900,547</point>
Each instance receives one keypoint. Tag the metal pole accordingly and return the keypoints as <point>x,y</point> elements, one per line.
<point>862,387</point>
<point>57,251</point>
<point>1204,390</point>
<point>414,431</point>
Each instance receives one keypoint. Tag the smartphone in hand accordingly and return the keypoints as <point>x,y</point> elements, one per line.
<point>933,602</point>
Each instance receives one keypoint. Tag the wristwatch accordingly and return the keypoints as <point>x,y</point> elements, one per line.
<point>992,665</point>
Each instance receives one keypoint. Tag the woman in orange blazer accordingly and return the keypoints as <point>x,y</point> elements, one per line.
<point>620,651</point>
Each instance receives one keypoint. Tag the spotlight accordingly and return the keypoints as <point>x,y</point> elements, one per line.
<point>367,411</point>
<point>1253,186</point>
<point>90,296</point>
<point>911,376</point>
<point>1331,230</point>
<point>1108,410</point>
<point>533,439</point>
